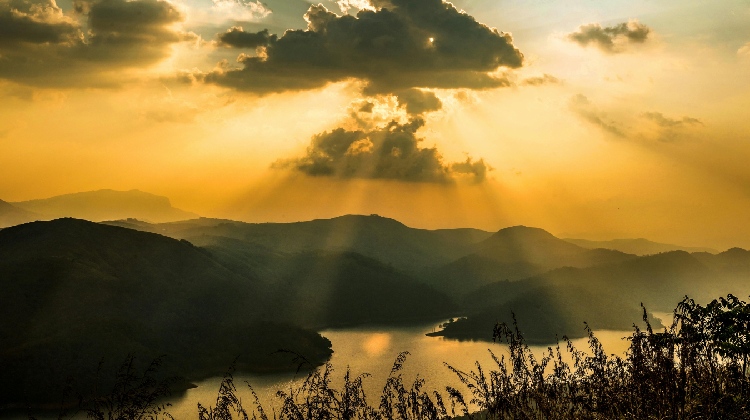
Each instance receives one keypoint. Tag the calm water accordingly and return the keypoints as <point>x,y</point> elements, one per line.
<point>373,350</point>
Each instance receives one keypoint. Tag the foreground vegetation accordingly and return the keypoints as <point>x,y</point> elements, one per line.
<point>695,369</point>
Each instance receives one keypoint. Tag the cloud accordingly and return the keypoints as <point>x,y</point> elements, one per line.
<point>400,50</point>
<point>582,107</point>
<point>657,126</point>
<point>396,45</point>
<point>476,168</point>
<point>366,107</point>
<point>25,22</point>
<point>418,101</point>
<point>241,10</point>
<point>670,129</point>
<point>546,79</point>
<point>40,45</point>
<point>391,151</point>
<point>347,5</point>
<point>237,37</point>
<point>659,119</point>
<point>611,39</point>
<point>744,51</point>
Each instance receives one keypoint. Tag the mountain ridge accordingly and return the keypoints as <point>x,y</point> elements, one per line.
<point>637,246</point>
<point>11,215</point>
<point>106,204</point>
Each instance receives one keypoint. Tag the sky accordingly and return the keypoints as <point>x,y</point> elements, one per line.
<point>591,119</point>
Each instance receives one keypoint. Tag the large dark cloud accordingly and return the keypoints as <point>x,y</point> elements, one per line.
<point>611,39</point>
<point>40,45</point>
<point>402,44</point>
<point>389,152</point>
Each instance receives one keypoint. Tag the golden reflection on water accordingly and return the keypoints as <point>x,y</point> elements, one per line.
<point>376,344</point>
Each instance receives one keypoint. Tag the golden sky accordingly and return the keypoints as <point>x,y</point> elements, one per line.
<point>593,119</point>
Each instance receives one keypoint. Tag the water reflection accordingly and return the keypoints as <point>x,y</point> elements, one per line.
<point>376,344</point>
<point>373,351</point>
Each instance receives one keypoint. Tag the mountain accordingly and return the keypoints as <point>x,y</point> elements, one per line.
<point>75,292</point>
<point>324,289</point>
<point>380,238</point>
<point>605,295</point>
<point>638,246</point>
<point>736,260</point>
<point>545,313</point>
<point>106,205</point>
<point>11,215</point>
<point>533,245</point>
<point>659,281</point>
<point>514,253</point>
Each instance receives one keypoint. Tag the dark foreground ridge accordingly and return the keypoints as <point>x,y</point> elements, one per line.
<point>76,292</point>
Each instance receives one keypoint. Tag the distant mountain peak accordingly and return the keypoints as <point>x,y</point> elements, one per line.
<point>528,244</point>
<point>523,230</point>
<point>107,204</point>
<point>368,218</point>
<point>736,250</point>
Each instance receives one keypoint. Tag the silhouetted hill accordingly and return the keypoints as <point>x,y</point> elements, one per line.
<point>323,289</point>
<point>736,260</point>
<point>107,205</point>
<point>512,254</point>
<point>75,292</point>
<point>547,312</point>
<point>11,215</point>
<point>468,273</point>
<point>658,281</point>
<point>521,243</point>
<point>320,290</point>
<point>639,246</point>
<point>386,240</point>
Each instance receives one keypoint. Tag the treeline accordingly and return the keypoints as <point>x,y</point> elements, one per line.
<point>696,368</point>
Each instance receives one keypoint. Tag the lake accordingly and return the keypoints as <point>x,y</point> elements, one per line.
<point>373,350</point>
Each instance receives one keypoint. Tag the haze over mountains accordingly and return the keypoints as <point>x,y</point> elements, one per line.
<point>11,215</point>
<point>203,291</point>
<point>639,246</point>
<point>95,206</point>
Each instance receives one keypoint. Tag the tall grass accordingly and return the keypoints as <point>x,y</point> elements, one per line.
<point>695,369</point>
